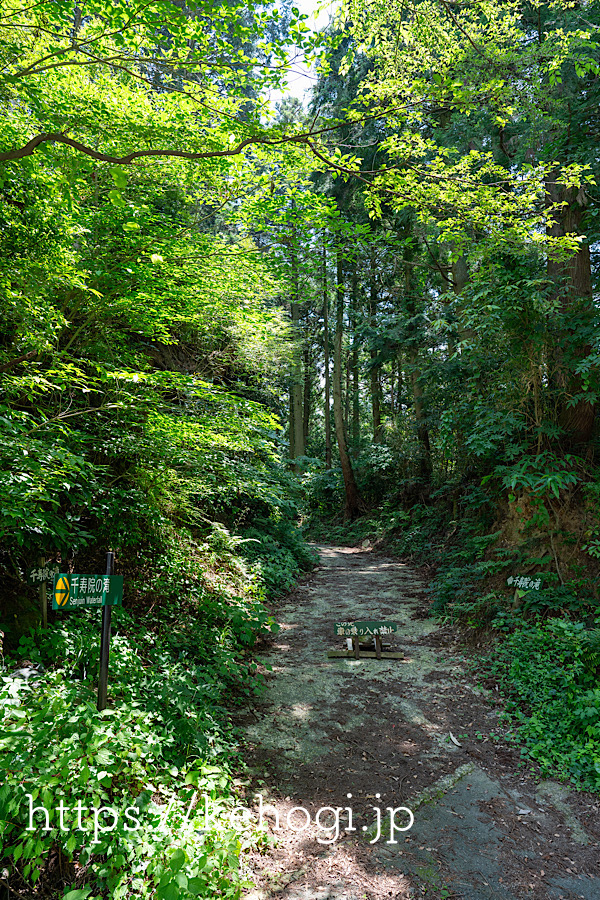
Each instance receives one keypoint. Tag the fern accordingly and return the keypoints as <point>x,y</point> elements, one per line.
<point>590,649</point>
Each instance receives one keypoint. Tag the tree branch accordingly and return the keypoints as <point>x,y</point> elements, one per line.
<point>304,138</point>
<point>70,415</point>
<point>18,203</point>
<point>31,146</point>
<point>15,362</point>
<point>462,30</point>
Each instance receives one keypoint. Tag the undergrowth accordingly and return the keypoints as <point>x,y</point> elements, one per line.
<point>162,759</point>
<point>548,673</point>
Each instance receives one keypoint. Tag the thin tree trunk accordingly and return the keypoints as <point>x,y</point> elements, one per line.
<point>347,393</point>
<point>573,288</point>
<point>354,365</point>
<point>424,462</point>
<point>392,396</point>
<point>425,467</point>
<point>292,430</point>
<point>307,384</point>
<point>375,371</point>
<point>297,417</point>
<point>354,505</point>
<point>399,381</point>
<point>326,354</point>
<point>460,278</point>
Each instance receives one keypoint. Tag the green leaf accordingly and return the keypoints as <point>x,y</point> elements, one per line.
<point>116,198</point>
<point>79,894</point>
<point>120,178</point>
<point>177,860</point>
<point>169,891</point>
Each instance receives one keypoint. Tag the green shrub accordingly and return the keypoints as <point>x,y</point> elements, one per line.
<point>549,673</point>
<point>164,744</point>
<point>278,551</point>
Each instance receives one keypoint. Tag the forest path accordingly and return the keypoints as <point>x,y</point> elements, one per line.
<point>380,730</point>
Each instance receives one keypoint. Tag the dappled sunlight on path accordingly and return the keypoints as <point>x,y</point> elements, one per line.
<point>365,736</point>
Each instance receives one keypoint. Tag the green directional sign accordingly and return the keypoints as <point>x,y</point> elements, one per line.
<point>523,583</point>
<point>78,591</point>
<point>364,629</point>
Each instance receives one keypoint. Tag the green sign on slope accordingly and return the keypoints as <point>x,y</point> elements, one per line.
<point>78,591</point>
<point>41,574</point>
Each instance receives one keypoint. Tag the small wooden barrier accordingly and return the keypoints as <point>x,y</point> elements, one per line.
<point>358,630</point>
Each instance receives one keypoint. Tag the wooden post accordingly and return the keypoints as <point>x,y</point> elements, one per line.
<point>378,645</point>
<point>42,593</point>
<point>356,644</point>
<point>105,641</point>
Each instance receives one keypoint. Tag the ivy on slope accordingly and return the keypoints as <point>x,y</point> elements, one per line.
<point>548,672</point>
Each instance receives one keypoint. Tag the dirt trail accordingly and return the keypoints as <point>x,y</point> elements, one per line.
<point>380,730</point>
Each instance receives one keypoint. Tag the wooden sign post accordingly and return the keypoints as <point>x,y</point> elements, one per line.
<point>105,641</point>
<point>358,630</point>
<point>43,597</point>
<point>40,576</point>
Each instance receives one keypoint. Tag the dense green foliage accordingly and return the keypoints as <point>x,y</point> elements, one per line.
<point>549,672</point>
<point>217,318</point>
<point>172,671</point>
<point>143,351</point>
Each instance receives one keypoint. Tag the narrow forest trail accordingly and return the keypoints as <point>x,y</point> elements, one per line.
<point>483,829</point>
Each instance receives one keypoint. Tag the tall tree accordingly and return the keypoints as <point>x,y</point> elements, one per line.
<point>375,369</point>
<point>572,280</point>
<point>308,376</point>
<point>354,505</point>
<point>326,362</point>
<point>353,368</point>
<point>297,447</point>
<point>425,467</point>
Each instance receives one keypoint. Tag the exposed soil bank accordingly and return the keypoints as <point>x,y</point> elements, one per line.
<point>387,732</point>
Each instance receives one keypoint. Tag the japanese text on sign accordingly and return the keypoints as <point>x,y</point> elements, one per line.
<point>364,629</point>
<point>523,583</point>
<point>42,573</point>
<point>75,591</point>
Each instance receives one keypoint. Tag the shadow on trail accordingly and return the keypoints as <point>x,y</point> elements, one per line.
<point>391,733</point>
